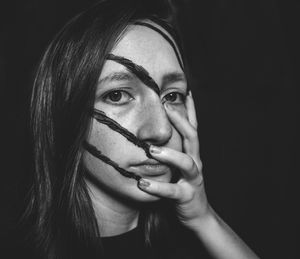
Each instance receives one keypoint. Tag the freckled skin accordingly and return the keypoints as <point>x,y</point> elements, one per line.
<point>101,117</point>
<point>144,117</point>
<point>97,153</point>
<point>157,120</point>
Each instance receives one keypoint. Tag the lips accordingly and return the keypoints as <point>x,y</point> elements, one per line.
<point>150,167</point>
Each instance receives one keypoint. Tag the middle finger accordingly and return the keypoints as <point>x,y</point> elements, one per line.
<point>182,161</point>
<point>188,132</point>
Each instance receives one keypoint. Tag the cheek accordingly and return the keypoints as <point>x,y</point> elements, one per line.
<point>98,170</point>
<point>117,148</point>
<point>124,153</point>
<point>111,144</point>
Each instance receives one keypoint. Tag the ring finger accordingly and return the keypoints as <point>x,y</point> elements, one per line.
<point>182,161</point>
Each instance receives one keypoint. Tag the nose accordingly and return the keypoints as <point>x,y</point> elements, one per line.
<point>154,125</point>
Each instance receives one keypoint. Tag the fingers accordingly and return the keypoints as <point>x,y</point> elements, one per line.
<point>191,111</point>
<point>185,127</point>
<point>182,161</point>
<point>160,189</point>
<point>181,191</point>
<point>181,123</point>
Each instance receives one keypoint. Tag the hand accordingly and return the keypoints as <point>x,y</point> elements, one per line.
<point>188,193</point>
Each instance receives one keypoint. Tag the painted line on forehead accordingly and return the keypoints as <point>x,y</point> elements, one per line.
<point>138,70</point>
<point>98,154</point>
<point>101,117</point>
<point>166,37</point>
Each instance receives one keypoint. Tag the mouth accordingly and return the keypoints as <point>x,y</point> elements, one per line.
<point>150,168</point>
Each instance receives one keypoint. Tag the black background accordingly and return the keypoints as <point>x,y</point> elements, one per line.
<point>244,62</point>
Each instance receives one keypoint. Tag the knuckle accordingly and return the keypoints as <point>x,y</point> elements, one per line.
<point>200,165</point>
<point>196,125</point>
<point>193,134</point>
<point>190,194</point>
<point>199,181</point>
<point>188,163</point>
<point>176,193</point>
<point>195,167</point>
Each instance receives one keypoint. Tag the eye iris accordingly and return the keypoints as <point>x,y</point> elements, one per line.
<point>115,96</point>
<point>171,97</point>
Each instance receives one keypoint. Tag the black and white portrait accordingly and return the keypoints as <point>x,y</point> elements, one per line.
<point>149,129</point>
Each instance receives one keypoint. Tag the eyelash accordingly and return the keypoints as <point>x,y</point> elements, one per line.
<point>117,102</point>
<point>130,97</point>
<point>178,95</point>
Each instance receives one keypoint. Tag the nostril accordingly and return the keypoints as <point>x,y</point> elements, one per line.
<point>155,131</point>
<point>153,124</point>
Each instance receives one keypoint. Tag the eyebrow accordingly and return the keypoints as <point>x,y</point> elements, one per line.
<point>140,72</point>
<point>117,76</point>
<point>173,77</point>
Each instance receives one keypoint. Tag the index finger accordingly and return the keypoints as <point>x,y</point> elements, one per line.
<point>191,110</point>
<point>188,132</point>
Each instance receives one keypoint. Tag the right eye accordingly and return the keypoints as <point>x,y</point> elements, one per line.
<point>118,97</point>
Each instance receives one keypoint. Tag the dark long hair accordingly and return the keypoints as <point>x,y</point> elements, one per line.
<point>60,210</point>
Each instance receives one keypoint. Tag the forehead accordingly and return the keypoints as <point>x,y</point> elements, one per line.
<point>147,48</point>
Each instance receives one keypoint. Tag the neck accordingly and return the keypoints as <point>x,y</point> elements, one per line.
<point>114,215</point>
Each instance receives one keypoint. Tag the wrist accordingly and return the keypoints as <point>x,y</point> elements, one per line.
<point>203,222</point>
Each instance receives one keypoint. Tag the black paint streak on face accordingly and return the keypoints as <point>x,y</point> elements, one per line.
<point>143,75</point>
<point>138,70</point>
<point>166,37</point>
<point>96,153</point>
<point>101,117</point>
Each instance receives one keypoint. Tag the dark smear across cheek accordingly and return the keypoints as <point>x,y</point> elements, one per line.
<point>96,153</point>
<point>101,117</point>
<point>138,70</point>
<point>143,75</point>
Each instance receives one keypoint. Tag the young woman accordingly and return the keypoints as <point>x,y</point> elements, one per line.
<point>117,166</point>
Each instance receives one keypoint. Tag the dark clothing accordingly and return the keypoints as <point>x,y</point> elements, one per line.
<point>176,243</point>
<point>131,245</point>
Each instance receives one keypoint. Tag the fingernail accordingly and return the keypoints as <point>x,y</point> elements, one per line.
<point>143,183</point>
<point>154,149</point>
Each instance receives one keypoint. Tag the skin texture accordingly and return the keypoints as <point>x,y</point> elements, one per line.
<point>168,123</point>
<point>141,112</point>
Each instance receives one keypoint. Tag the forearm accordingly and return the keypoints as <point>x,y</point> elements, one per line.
<point>220,240</point>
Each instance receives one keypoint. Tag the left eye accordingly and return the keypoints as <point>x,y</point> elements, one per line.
<point>118,97</point>
<point>174,97</point>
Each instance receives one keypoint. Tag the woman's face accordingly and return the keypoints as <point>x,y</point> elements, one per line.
<point>138,108</point>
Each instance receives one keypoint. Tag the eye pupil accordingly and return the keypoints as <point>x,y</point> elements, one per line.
<point>115,96</point>
<point>171,97</point>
